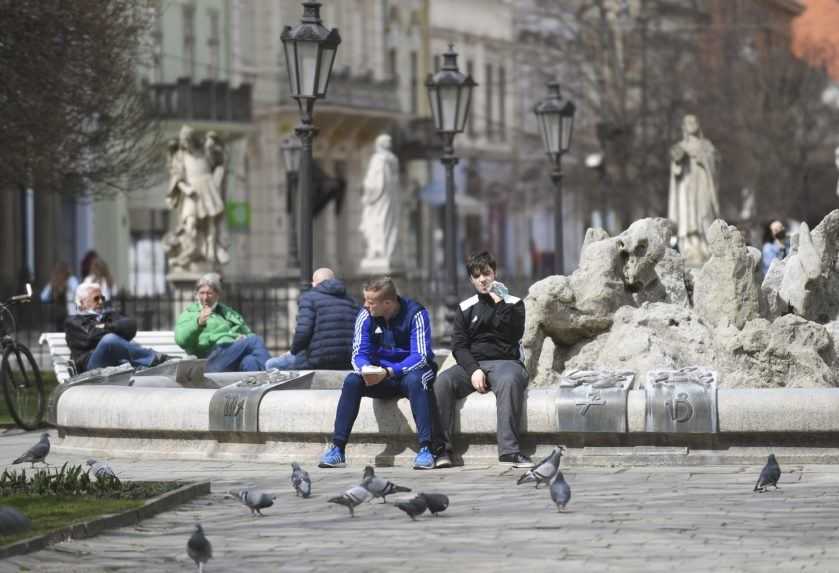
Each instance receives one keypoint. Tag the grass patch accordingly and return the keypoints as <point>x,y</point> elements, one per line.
<point>51,512</point>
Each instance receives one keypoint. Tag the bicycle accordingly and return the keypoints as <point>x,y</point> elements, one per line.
<point>23,387</point>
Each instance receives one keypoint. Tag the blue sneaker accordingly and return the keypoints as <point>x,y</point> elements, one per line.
<point>333,458</point>
<point>424,460</point>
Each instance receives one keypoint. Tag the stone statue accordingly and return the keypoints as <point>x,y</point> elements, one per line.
<point>380,213</point>
<point>196,177</point>
<point>693,203</point>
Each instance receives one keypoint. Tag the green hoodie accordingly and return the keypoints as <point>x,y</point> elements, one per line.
<point>223,325</point>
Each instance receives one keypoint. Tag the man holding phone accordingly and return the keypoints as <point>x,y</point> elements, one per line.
<point>391,359</point>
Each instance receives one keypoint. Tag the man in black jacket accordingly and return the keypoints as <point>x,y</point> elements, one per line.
<point>325,325</point>
<point>486,342</point>
<point>98,338</point>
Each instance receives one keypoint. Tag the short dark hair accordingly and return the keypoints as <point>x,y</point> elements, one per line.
<point>383,285</point>
<point>479,263</point>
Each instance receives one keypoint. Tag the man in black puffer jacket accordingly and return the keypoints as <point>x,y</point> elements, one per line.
<point>325,325</point>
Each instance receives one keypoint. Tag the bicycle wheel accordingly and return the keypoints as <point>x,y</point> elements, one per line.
<point>22,386</point>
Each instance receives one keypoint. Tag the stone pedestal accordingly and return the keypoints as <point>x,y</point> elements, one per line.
<point>380,267</point>
<point>183,290</point>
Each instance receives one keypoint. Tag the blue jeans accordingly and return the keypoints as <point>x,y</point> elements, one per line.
<point>247,354</point>
<point>287,361</point>
<point>113,350</point>
<point>416,386</point>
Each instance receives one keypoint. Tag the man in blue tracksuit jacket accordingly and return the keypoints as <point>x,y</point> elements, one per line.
<point>394,334</point>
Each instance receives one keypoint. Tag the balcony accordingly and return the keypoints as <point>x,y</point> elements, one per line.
<point>209,100</point>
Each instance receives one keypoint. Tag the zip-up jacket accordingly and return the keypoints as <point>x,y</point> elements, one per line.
<point>402,343</point>
<point>223,325</point>
<point>84,331</point>
<point>485,330</point>
<point>325,322</point>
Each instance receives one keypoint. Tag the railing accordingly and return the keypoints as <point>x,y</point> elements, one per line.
<point>209,100</point>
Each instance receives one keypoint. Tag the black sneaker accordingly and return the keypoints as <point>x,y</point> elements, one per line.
<point>517,460</point>
<point>159,358</point>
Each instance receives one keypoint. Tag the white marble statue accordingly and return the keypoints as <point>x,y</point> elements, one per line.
<point>693,202</point>
<point>196,176</point>
<point>380,213</point>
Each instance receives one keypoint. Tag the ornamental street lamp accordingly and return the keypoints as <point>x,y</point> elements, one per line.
<point>556,118</point>
<point>310,51</point>
<point>291,151</point>
<point>450,96</point>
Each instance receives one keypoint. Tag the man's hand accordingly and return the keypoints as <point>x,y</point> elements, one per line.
<point>373,378</point>
<point>479,381</point>
<point>495,298</point>
<point>205,314</point>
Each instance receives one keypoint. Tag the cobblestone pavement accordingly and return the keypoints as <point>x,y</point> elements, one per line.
<point>620,519</point>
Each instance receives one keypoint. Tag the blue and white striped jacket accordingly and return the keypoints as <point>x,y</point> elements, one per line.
<point>402,343</point>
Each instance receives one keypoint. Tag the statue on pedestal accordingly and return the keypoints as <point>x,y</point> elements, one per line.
<point>693,201</point>
<point>380,213</point>
<point>196,177</point>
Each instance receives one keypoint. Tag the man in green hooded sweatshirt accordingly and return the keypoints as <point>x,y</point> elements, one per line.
<point>211,330</point>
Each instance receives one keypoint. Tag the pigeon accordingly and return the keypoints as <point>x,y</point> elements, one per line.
<point>300,480</point>
<point>544,471</point>
<point>436,502</point>
<point>560,491</point>
<point>102,470</point>
<point>380,487</point>
<point>256,500</point>
<point>352,498</point>
<point>199,548</point>
<point>413,507</point>
<point>13,521</point>
<point>37,453</point>
<point>769,475</point>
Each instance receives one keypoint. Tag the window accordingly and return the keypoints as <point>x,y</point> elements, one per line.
<point>393,64</point>
<point>488,101</point>
<point>502,103</point>
<point>470,121</point>
<point>189,40</point>
<point>414,82</point>
<point>157,48</point>
<point>214,45</point>
<point>436,63</point>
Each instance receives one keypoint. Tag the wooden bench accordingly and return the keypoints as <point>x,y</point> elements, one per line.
<point>162,341</point>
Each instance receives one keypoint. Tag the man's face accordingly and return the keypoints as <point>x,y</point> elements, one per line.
<point>482,280</point>
<point>207,296</point>
<point>93,300</point>
<point>377,305</point>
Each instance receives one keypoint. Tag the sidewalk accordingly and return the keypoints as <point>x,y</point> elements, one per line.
<point>620,519</point>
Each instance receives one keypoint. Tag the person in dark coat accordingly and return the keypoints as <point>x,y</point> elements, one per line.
<point>325,324</point>
<point>100,337</point>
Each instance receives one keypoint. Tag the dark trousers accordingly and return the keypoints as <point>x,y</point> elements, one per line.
<point>508,381</point>
<point>416,386</point>
<point>247,354</point>
<point>113,350</point>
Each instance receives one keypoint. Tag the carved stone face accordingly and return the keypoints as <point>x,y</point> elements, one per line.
<point>641,247</point>
<point>690,125</point>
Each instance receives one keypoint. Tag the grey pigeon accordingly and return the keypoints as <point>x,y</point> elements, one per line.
<point>560,491</point>
<point>199,548</point>
<point>352,498</point>
<point>436,502</point>
<point>256,500</point>
<point>769,475</point>
<point>544,471</point>
<point>13,521</point>
<point>37,453</point>
<point>380,487</point>
<point>413,507</point>
<point>300,480</point>
<point>102,470</point>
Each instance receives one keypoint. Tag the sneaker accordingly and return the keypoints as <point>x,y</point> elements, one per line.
<point>444,460</point>
<point>333,458</point>
<point>517,460</point>
<point>424,459</point>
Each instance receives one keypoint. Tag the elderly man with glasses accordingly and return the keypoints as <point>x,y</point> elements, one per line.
<point>100,337</point>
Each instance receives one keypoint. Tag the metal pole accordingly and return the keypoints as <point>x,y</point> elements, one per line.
<point>449,161</point>
<point>306,133</point>
<point>291,189</point>
<point>556,177</point>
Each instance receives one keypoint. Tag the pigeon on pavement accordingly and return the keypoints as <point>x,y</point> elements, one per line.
<point>37,453</point>
<point>769,475</point>
<point>256,500</point>
<point>352,498</point>
<point>560,491</point>
<point>544,471</point>
<point>300,480</point>
<point>102,470</point>
<point>413,507</point>
<point>436,502</point>
<point>199,548</point>
<point>12,521</point>
<point>379,486</point>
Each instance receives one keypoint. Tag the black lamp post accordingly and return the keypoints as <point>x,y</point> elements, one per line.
<point>450,95</point>
<point>310,51</point>
<point>291,151</point>
<point>556,118</point>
